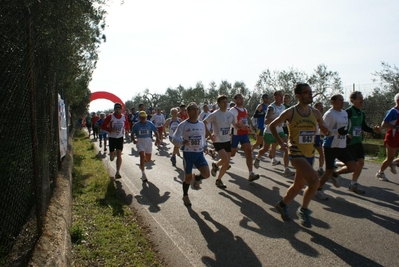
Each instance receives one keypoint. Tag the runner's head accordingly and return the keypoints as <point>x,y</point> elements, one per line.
<point>356,99</point>
<point>265,98</point>
<point>239,100</point>
<point>396,99</point>
<point>319,106</point>
<point>118,108</point>
<point>287,99</point>
<point>303,93</point>
<point>337,102</point>
<point>174,112</point>
<point>222,102</point>
<point>278,97</point>
<point>142,116</point>
<point>192,110</point>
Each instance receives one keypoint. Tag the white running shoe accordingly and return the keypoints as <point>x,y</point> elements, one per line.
<point>320,195</point>
<point>275,162</point>
<point>381,176</point>
<point>144,178</point>
<point>288,173</point>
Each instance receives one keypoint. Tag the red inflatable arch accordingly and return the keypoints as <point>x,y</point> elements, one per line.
<point>106,95</point>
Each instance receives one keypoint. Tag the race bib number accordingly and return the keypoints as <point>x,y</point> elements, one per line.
<point>118,128</point>
<point>357,131</point>
<point>306,137</point>
<point>341,137</point>
<point>159,124</point>
<point>224,130</point>
<point>244,121</point>
<point>143,132</point>
<point>195,141</point>
<point>173,129</point>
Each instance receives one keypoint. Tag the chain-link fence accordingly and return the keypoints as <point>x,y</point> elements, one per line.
<point>28,133</point>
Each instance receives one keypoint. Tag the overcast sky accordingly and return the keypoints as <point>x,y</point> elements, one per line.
<point>161,44</point>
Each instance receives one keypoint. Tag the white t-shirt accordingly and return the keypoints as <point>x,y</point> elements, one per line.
<point>158,120</point>
<point>277,111</point>
<point>202,117</point>
<point>334,120</point>
<point>221,122</point>
<point>192,131</point>
<point>173,126</point>
<point>117,124</point>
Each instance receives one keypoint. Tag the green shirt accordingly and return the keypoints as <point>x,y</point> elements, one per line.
<point>357,124</point>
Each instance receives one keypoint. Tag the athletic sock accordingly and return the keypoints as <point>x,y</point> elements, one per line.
<point>185,189</point>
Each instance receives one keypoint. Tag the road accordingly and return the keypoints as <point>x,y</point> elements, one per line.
<point>239,226</point>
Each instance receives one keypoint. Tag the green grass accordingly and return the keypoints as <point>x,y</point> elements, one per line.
<point>105,232</point>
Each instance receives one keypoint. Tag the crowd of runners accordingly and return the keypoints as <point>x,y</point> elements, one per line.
<point>298,131</point>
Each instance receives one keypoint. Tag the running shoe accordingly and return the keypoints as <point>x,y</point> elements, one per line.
<point>253,177</point>
<point>275,162</point>
<point>320,172</point>
<point>214,169</point>
<point>256,163</point>
<point>355,188</point>
<point>303,214</point>
<point>105,149</point>
<point>186,201</point>
<point>229,167</point>
<point>393,168</point>
<point>283,211</point>
<point>173,160</point>
<point>144,178</point>
<point>111,156</point>
<point>320,195</point>
<point>212,154</point>
<point>381,176</point>
<point>288,173</point>
<point>117,175</point>
<point>335,180</point>
<point>101,144</point>
<point>196,183</point>
<point>220,184</point>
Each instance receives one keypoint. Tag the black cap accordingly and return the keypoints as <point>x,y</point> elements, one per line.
<point>117,105</point>
<point>265,96</point>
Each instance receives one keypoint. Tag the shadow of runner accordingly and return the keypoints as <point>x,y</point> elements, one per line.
<point>229,250</point>
<point>349,256</point>
<point>151,197</point>
<point>352,210</point>
<point>111,199</point>
<point>269,226</point>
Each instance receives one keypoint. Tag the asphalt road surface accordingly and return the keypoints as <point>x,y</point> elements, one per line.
<point>239,226</point>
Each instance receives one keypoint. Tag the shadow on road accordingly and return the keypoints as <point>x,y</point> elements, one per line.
<point>229,250</point>
<point>150,196</point>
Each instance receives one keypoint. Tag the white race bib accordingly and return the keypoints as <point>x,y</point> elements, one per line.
<point>306,137</point>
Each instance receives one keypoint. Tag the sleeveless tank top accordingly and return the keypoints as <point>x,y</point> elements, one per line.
<point>301,132</point>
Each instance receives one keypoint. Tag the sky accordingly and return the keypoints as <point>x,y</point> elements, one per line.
<point>160,44</point>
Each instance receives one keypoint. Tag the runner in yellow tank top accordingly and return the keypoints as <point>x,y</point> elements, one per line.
<point>302,126</point>
<point>302,131</point>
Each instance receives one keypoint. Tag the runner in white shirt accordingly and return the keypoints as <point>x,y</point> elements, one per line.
<point>334,144</point>
<point>273,111</point>
<point>159,120</point>
<point>115,124</point>
<point>221,120</point>
<point>191,134</point>
<point>172,124</point>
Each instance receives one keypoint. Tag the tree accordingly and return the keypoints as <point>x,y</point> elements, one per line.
<point>324,84</point>
<point>382,98</point>
<point>271,81</point>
